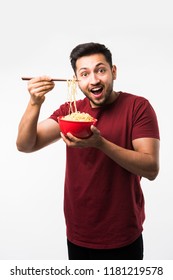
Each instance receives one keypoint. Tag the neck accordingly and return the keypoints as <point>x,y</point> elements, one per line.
<point>114,95</point>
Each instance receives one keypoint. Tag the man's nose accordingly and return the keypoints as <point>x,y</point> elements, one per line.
<point>94,79</point>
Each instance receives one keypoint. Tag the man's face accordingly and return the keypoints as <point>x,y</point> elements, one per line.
<point>96,79</point>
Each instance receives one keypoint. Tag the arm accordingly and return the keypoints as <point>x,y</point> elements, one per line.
<point>31,135</point>
<point>142,161</point>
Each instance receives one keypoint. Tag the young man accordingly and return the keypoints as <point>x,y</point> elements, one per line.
<point>103,203</point>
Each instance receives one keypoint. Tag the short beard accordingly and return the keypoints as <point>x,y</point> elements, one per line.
<point>105,101</point>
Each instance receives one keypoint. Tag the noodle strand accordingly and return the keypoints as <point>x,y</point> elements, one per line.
<point>74,114</point>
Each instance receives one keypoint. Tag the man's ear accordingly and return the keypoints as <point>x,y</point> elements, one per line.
<point>114,72</point>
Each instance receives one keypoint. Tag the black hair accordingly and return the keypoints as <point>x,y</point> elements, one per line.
<point>88,49</point>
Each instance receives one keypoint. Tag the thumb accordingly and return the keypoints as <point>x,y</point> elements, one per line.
<point>95,130</point>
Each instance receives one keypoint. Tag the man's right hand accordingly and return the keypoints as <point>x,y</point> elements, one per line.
<point>38,87</point>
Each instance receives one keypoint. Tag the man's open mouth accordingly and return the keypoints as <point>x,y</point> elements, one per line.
<point>97,90</point>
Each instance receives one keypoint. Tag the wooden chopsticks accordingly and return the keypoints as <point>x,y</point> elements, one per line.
<point>53,79</point>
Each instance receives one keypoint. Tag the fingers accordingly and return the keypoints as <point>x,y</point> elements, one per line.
<point>69,139</point>
<point>38,87</point>
<point>92,141</point>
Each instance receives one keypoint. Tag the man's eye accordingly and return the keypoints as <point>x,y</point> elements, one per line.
<point>84,74</point>
<point>101,70</point>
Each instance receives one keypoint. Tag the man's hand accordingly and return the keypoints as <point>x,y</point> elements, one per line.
<point>38,87</point>
<point>93,141</point>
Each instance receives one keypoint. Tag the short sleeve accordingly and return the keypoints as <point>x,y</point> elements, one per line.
<point>145,123</point>
<point>63,110</point>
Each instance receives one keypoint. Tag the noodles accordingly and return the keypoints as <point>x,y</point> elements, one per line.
<point>72,90</point>
<point>77,116</point>
<point>74,114</point>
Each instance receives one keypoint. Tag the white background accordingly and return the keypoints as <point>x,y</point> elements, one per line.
<point>37,38</point>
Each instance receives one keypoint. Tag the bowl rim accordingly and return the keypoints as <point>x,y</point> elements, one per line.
<point>76,121</point>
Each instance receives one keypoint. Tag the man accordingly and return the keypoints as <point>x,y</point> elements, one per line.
<point>103,203</point>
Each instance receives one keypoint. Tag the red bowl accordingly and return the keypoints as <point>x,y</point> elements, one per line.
<point>80,129</point>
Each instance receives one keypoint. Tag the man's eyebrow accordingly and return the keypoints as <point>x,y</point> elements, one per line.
<point>83,68</point>
<point>97,65</point>
<point>100,63</point>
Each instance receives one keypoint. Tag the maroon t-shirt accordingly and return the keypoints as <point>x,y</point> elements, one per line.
<point>103,202</point>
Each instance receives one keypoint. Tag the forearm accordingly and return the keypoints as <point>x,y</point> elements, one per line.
<point>142,161</point>
<point>27,130</point>
<point>139,163</point>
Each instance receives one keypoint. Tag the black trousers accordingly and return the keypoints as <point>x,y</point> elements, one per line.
<point>133,251</point>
